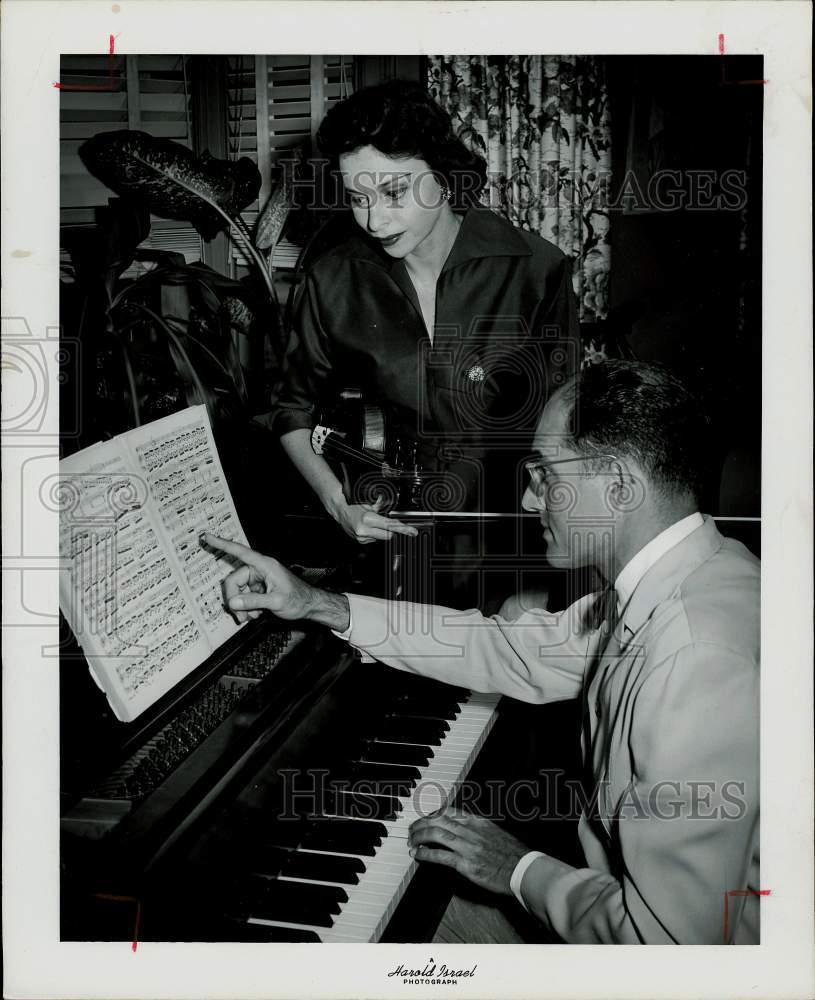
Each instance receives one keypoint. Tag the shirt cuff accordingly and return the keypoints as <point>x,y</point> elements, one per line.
<point>520,871</point>
<point>347,633</point>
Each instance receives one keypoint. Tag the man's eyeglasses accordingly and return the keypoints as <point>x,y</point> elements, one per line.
<point>538,470</point>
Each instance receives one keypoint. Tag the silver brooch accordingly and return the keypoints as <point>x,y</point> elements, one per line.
<point>476,374</point>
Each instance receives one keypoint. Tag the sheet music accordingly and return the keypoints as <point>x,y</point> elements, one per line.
<point>143,598</point>
<point>118,589</point>
<point>179,460</point>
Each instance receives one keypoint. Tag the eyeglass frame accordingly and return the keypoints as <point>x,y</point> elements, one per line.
<point>537,487</point>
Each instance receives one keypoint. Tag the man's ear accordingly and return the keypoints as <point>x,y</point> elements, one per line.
<point>619,475</point>
<point>626,490</point>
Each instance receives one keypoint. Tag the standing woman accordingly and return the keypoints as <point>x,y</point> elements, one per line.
<point>455,321</point>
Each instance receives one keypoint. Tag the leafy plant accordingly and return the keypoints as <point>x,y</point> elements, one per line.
<point>173,183</point>
<point>181,332</point>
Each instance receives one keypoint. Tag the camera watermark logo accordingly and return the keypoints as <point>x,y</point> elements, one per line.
<point>487,384</point>
<point>32,366</point>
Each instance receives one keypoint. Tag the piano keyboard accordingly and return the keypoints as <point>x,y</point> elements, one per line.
<point>340,878</point>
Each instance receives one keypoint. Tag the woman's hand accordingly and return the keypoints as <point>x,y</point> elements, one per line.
<point>365,524</point>
<point>261,583</point>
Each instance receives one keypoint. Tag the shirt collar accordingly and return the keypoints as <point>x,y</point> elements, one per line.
<point>648,555</point>
<point>483,233</point>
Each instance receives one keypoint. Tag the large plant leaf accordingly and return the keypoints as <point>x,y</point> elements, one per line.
<point>275,212</point>
<point>170,180</point>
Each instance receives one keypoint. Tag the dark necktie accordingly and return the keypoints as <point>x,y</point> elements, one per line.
<point>607,618</point>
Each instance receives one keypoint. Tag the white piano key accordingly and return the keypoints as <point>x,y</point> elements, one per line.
<point>372,902</point>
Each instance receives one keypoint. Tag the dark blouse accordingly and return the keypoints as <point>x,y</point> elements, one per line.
<point>505,336</point>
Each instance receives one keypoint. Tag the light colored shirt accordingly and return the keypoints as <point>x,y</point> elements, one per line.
<point>636,568</point>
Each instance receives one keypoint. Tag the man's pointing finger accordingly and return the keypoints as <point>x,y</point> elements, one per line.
<point>242,552</point>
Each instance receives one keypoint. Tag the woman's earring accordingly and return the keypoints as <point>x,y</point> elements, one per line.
<point>445,193</point>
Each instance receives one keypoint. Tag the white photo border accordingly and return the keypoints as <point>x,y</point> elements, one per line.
<point>35,34</point>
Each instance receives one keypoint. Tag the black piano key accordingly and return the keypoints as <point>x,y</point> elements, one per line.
<point>442,725</point>
<point>359,805</point>
<point>291,914</point>
<point>286,835</point>
<point>410,731</point>
<point>307,893</point>
<point>374,778</point>
<point>443,708</point>
<point>286,934</point>
<point>324,868</point>
<point>396,753</point>
<point>384,779</point>
<point>413,683</point>
<point>346,836</point>
<point>268,859</point>
<point>342,770</point>
<point>392,788</point>
<point>263,933</point>
<point>297,902</point>
<point>383,770</point>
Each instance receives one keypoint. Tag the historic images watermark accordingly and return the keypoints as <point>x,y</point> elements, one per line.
<point>665,190</point>
<point>549,796</point>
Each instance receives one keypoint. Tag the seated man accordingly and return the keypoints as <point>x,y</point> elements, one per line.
<point>666,658</point>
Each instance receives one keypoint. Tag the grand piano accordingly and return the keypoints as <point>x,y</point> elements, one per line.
<point>268,796</point>
<point>268,801</point>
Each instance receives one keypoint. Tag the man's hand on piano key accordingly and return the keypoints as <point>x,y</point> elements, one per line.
<point>476,847</point>
<point>261,583</point>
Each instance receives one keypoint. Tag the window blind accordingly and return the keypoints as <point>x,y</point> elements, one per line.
<point>100,94</point>
<point>276,103</point>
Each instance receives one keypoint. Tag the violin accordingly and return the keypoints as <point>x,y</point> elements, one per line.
<point>375,461</point>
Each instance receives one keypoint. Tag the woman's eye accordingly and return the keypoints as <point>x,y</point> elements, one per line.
<point>396,194</point>
<point>359,200</point>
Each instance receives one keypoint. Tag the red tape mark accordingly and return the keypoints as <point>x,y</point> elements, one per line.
<point>734,893</point>
<point>724,82</point>
<point>85,88</point>
<point>126,899</point>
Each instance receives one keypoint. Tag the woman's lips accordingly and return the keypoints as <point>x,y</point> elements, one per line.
<point>388,241</point>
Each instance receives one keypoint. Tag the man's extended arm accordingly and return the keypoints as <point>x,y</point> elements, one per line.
<point>538,658</point>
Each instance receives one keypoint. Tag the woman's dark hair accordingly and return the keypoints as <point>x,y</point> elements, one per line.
<point>401,119</point>
<point>643,411</point>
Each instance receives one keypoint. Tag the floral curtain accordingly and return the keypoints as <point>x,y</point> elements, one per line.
<point>543,125</point>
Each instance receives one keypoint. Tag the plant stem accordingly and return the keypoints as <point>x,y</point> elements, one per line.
<point>131,380</point>
<point>240,390</point>
<point>246,239</point>
<point>198,384</point>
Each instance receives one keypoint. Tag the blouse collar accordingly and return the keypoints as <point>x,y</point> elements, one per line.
<point>482,234</point>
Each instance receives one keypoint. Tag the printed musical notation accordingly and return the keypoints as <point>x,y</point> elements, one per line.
<point>173,646</point>
<point>143,598</point>
<point>191,494</point>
